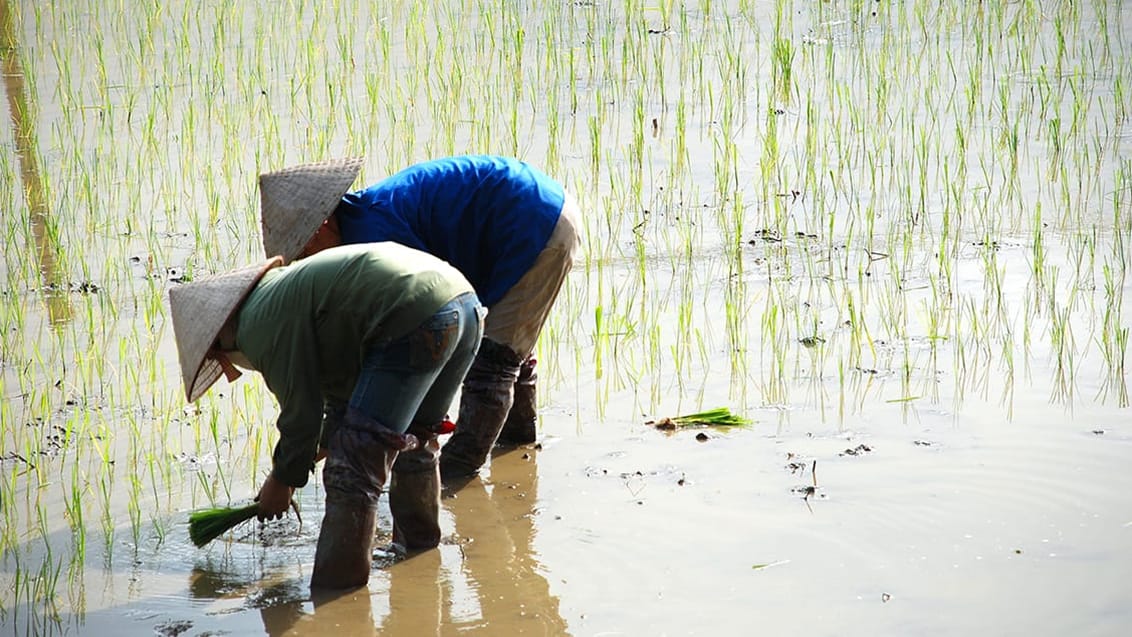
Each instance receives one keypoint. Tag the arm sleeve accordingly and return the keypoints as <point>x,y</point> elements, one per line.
<point>293,376</point>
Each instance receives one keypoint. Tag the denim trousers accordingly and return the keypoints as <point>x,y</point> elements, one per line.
<point>414,378</point>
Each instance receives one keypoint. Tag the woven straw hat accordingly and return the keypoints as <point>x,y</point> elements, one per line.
<point>295,201</point>
<point>199,310</point>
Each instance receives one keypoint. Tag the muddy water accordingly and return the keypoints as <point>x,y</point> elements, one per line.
<point>933,527</point>
<point>909,269</point>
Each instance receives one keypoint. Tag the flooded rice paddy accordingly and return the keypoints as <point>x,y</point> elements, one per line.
<point>893,234</point>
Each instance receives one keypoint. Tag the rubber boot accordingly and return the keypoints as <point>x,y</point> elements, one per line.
<point>521,424</point>
<point>414,498</point>
<point>343,558</point>
<point>356,471</point>
<point>485,400</point>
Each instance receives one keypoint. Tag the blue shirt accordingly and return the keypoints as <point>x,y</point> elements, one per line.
<point>488,216</point>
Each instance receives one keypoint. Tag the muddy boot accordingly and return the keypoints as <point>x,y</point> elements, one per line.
<point>520,426</point>
<point>343,558</point>
<point>414,498</point>
<point>485,400</point>
<point>354,476</point>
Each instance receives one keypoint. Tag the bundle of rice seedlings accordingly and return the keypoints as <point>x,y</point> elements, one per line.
<point>721,417</point>
<point>206,525</point>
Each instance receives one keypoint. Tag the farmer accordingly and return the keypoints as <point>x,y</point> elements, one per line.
<point>511,230</point>
<point>383,332</point>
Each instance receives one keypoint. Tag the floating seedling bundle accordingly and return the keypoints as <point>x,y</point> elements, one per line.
<point>720,417</point>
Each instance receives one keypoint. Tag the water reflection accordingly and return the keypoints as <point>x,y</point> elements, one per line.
<point>47,248</point>
<point>283,605</point>
<point>417,591</point>
<point>489,582</point>
<point>499,559</point>
<point>343,612</point>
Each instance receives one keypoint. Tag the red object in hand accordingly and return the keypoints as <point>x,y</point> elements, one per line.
<point>446,427</point>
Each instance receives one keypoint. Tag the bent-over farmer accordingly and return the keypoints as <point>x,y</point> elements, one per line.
<point>508,227</point>
<point>380,333</point>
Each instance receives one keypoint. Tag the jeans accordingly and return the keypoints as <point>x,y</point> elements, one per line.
<point>413,379</point>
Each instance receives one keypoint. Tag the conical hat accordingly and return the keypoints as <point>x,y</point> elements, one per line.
<point>295,201</point>
<point>199,310</point>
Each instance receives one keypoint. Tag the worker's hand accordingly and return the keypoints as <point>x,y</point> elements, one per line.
<point>274,498</point>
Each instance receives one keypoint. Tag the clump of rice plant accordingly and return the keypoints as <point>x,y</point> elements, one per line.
<point>719,417</point>
<point>206,525</point>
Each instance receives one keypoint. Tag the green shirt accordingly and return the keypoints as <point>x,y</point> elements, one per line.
<point>306,326</point>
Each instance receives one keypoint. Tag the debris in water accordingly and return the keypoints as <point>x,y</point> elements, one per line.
<point>811,341</point>
<point>173,627</point>
<point>759,567</point>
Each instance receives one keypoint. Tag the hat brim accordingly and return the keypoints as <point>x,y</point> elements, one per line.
<point>200,309</point>
<point>295,201</point>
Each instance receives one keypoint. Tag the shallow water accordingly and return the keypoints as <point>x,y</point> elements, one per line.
<point>936,529</point>
<point>909,268</point>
